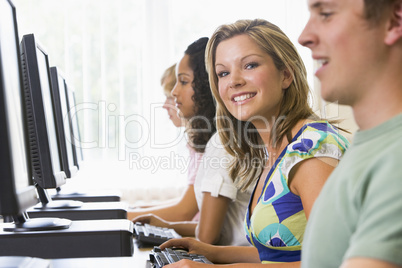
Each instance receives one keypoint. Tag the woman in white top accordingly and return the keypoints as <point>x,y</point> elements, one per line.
<point>213,179</point>
<point>220,212</point>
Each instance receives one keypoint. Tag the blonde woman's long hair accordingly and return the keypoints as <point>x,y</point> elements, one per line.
<point>240,138</point>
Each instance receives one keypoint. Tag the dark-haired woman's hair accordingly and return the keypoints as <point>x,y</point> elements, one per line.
<point>202,125</point>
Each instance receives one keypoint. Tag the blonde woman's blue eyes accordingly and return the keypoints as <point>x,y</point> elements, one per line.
<point>222,74</point>
<point>248,66</point>
<point>251,65</point>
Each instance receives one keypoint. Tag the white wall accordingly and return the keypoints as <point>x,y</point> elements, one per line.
<point>113,53</point>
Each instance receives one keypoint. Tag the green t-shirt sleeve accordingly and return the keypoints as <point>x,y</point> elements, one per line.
<point>378,232</point>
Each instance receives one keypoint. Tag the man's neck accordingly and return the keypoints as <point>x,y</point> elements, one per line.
<point>369,113</point>
<point>381,99</point>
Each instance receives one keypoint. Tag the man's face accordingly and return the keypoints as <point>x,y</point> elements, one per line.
<point>347,49</point>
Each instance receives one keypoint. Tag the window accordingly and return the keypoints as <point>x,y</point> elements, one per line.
<point>113,52</point>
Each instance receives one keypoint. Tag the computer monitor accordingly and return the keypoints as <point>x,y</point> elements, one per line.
<point>63,124</point>
<point>45,153</point>
<point>16,190</point>
<point>75,134</point>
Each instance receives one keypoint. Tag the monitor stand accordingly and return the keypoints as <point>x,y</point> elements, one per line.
<point>22,223</point>
<point>47,202</point>
<point>81,211</point>
<point>88,211</point>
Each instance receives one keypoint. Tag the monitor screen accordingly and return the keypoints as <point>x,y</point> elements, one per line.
<point>46,162</point>
<point>16,193</point>
<point>62,122</point>
<point>75,134</point>
<point>47,103</point>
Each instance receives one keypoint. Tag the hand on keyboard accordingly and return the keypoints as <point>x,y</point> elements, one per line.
<point>160,258</point>
<point>192,246</point>
<point>149,235</point>
<point>152,220</point>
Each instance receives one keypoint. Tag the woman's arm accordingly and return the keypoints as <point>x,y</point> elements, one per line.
<point>308,177</point>
<point>240,257</point>
<point>213,214</point>
<point>184,228</point>
<point>183,210</point>
<point>228,256</point>
<point>216,254</point>
<point>209,228</point>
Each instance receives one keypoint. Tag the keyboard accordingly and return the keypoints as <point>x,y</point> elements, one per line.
<point>159,258</point>
<point>149,235</point>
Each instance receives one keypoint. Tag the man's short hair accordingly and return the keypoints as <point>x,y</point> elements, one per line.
<point>374,9</point>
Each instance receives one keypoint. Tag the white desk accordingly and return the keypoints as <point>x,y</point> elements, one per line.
<point>139,259</point>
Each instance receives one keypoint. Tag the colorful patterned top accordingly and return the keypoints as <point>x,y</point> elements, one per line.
<point>277,225</point>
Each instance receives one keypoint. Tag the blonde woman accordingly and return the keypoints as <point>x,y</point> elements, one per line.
<point>278,143</point>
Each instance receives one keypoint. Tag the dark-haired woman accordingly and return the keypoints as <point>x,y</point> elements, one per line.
<point>221,205</point>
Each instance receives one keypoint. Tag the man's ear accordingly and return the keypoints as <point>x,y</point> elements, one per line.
<point>394,31</point>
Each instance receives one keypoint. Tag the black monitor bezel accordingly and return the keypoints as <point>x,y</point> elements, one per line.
<point>69,168</point>
<point>42,167</point>
<point>13,201</point>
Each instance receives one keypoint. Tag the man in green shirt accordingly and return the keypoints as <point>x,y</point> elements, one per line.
<point>357,219</point>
